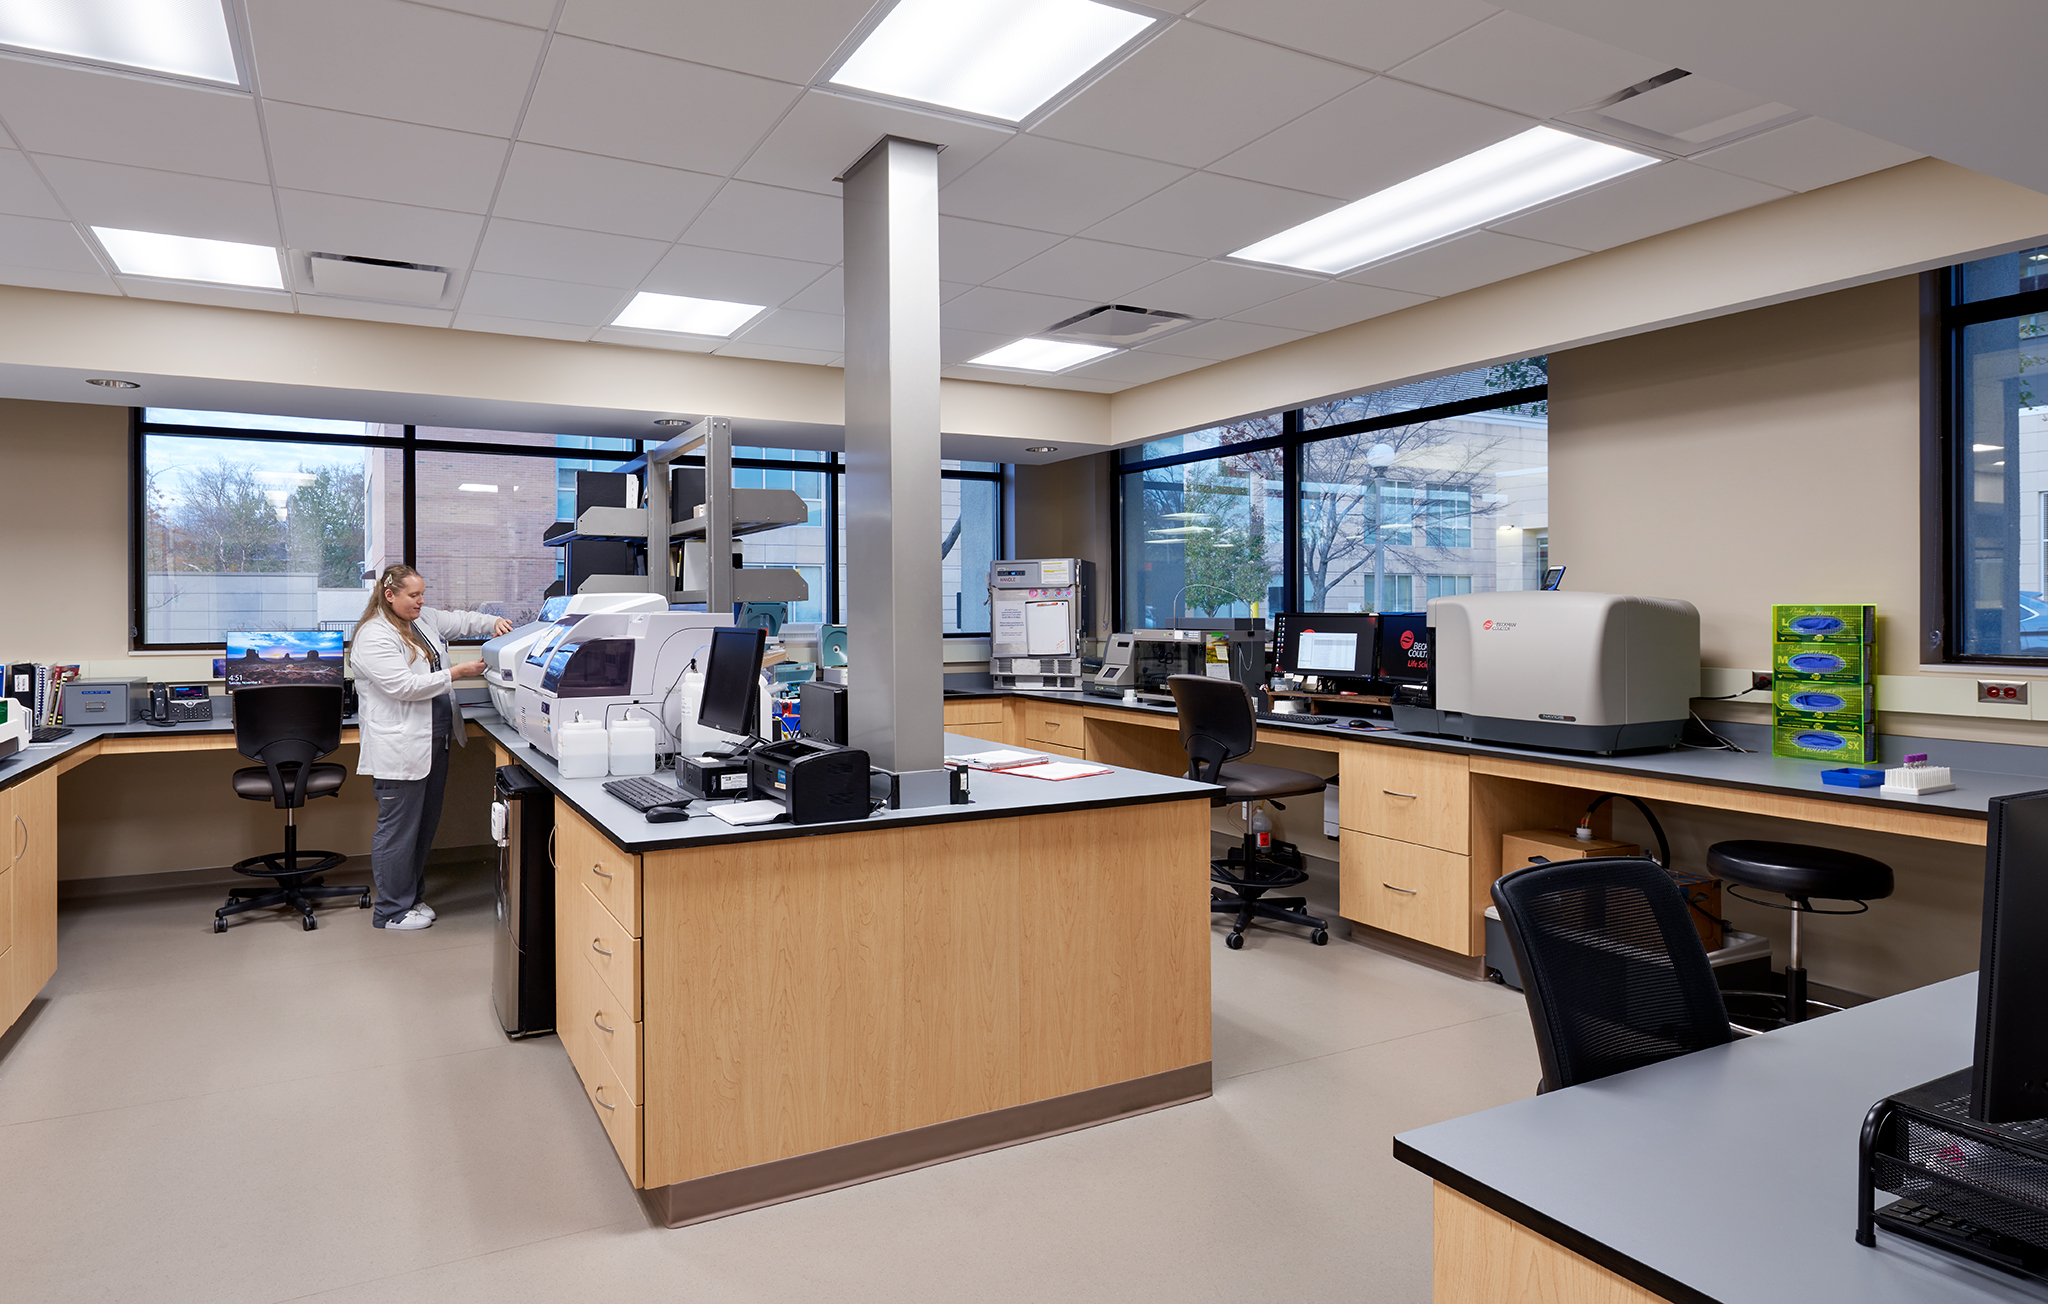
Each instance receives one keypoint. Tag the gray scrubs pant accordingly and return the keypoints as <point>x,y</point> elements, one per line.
<point>408,812</point>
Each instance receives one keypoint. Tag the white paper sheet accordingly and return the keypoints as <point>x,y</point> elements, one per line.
<point>1048,632</point>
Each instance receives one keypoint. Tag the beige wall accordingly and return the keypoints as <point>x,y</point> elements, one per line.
<point>1064,509</point>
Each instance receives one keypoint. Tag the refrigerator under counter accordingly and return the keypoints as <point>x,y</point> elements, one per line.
<point>523,935</point>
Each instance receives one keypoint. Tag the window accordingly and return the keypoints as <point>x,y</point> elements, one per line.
<point>1994,333</point>
<point>1374,502</point>
<point>260,522</point>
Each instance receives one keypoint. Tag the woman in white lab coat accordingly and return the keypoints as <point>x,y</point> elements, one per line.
<point>407,720</point>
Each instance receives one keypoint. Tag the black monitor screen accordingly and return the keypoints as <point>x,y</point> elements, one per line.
<point>2009,1077</point>
<point>731,675</point>
<point>1338,644</point>
<point>1404,647</point>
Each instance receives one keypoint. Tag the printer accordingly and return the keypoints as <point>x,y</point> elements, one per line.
<point>14,730</point>
<point>1143,658</point>
<point>1582,672</point>
<point>608,666</point>
<point>816,781</point>
<point>503,654</point>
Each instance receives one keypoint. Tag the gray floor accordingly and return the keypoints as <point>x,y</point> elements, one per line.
<point>279,1115</point>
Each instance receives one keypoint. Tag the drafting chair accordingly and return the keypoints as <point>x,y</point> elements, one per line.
<point>288,727</point>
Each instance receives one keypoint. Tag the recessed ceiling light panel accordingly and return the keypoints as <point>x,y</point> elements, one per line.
<point>184,38</point>
<point>187,258</point>
<point>998,59</point>
<point>105,383</point>
<point>679,314</point>
<point>1514,176</point>
<point>1040,355</point>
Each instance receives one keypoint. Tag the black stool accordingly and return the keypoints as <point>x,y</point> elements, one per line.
<point>1799,873</point>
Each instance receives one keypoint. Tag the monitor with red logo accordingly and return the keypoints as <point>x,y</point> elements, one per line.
<point>1404,647</point>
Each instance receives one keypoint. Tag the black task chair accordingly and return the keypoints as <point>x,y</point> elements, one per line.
<point>1218,725</point>
<point>288,727</point>
<point>1614,971</point>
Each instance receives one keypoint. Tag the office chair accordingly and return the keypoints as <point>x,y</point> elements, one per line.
<point>1218,725</point>
<point>1614,972</point>
<point>288,727</point>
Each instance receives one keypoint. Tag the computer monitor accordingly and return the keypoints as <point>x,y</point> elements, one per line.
<point>1404,647</point>
<point>1339,644</point>
<point>732,678</point>
<point>292,656</point>
<point>1553,578</point>
<point>2009,1077</point>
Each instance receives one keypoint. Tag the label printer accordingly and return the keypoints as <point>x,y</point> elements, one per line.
<point>816,781</point>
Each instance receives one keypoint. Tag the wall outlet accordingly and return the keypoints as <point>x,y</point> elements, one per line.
<point>2005,692</point>
<point>1759,682</point>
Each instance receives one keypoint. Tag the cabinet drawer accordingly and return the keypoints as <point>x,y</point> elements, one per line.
<point>587,1011</point>
<point>1055,725</point>
<point>1418,892</point>
<point>989,712</point>
<point>622,1118</point>
<point>611,875</point>
<point>610,951</point>
<point>1408,795</point>
<point>1054,749</point>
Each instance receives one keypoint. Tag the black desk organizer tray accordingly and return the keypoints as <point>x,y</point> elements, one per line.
<point>1978,1190</point>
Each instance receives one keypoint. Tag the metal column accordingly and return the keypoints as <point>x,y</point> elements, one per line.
<point>895,702</point>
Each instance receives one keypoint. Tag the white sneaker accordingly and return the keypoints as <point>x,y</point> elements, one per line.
<point>424,909</point>
<point>410,920</point>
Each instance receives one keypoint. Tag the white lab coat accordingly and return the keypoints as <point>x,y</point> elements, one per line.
<point>395,697</point>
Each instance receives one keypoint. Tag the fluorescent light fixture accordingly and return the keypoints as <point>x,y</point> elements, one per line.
<point>477,488</point>
<point>185,38</point>
<point>1518,174</point>
<point>1987,448</point>
<point>994,58</point>
<point>683,315</point>
<point>186,258</point>
<point>1040,355</point>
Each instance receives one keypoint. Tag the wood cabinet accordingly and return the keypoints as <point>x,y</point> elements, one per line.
<point>1058,726</point>
<point>1417,892</point>
<point>988,718</point>
<point>597,977</point>
<point>28,892</point>
<point>610,875</point>
<point>1407,794</point>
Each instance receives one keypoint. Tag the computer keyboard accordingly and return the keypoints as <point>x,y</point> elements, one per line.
<point>1933,1226</point>
<point>1274,717</point>
<point>643,793</point>
<point>48,735</point>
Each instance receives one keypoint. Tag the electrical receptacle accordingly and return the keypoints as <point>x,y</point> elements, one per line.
<point>2006,692</point>
<point>1759,681</point>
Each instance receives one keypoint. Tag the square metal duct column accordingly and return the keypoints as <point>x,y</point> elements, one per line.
<point>895,698</point>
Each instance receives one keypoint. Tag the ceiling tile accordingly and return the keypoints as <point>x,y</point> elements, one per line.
<point>213,296</point>
<point>22,192</point>
<point>828,293</point>
<point>605,100</point>
<point>40,242</point>
<point>55,109</point>
<point>528,13</point>
<point>173,203</point>
<point>1137,367</point>
<point>557,253</point>
<point>1219,340</point>
<point>734,277</point>
<point>825,134</point>
<point>1219,289</point>
<point>973,252</point>
<point>1184,97</point>
<point>1477,259</point>
<point>563,188</point>
<point>1327,306</point>
<point>799,330</point>
<point>1209,216</point>
<point>314,305</point>
<point>1090,269</point>
<point>746,348</point>
<point>1009,312</point>
<point>44,278</point>
<point>1050,185</point>
<point>369,228</point>
<point>395,60</point>
<point>1807,155</point>
<point>769,220</point>
<point>1530,67</point>
<point>493,294</point>
<point>1373,34</point>
<point>785,39</point>
<point>371,158</point>
<point>1642,204</point>
<point>542,330</point>
<point>655,340</point>
<point>956,346</point>
<point>1365,140</point>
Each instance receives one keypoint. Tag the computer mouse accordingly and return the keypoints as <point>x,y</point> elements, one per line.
<point>667,814</point>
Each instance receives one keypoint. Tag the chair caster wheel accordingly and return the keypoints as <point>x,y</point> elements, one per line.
<point>1321,937</point>
<point>220,925</point>
<point>363,901</point>
<point>1235,941</point>
<point>311,923</point>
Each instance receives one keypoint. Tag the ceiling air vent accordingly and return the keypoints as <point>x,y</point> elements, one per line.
<point>377,278</point>
<point>1681,113</point>
<point>1120,326</point>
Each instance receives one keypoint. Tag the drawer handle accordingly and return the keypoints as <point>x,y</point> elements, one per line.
<point>600,873</point>
<point>597,1094</point>
<point>1407,891</point>
<point>598,1019</point>
<point>1391,793</point>
<point>22,824</point>
<point>595,947</point>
